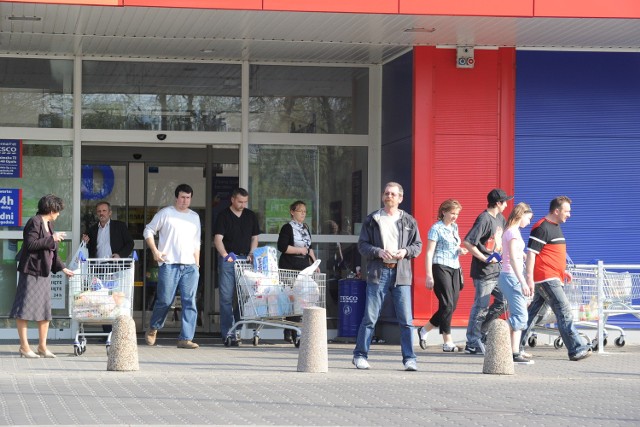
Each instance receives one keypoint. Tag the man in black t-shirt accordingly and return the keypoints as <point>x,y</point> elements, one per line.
<point>236,231</point>
<point>484,239</point>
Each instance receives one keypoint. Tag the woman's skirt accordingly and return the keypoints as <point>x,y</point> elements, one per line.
<point>33,298</point>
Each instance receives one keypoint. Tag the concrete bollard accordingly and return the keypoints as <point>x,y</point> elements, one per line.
<point>123,352</point>
<point>498,358</point>
<point>314,355</point>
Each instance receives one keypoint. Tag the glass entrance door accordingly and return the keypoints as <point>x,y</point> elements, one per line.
<point>138,183</point>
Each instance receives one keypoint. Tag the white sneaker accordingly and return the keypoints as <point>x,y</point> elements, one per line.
<point>360,363</point>
<point>410,365</point>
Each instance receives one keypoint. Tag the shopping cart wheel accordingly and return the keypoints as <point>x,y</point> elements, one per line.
<point>558,343</point>
<point>297,342</point>
<point>76,350</point>
<point>533,341</point>
<point>594,343</point>
<point>256,339</point>
<point>619,342</point>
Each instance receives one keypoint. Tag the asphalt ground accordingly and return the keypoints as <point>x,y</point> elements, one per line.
<point>247,385</point>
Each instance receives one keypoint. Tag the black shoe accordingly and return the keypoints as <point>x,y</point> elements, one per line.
<point>583,354</point>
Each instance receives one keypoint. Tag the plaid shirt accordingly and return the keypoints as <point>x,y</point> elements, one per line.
<point>447,244</point>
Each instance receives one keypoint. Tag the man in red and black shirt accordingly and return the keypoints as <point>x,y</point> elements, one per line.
<point>546,270</point>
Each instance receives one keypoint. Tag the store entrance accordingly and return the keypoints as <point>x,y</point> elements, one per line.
<point>139,181</point>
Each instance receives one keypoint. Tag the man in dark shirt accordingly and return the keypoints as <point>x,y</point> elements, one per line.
<point>236,231</point>
<point>484,239</point>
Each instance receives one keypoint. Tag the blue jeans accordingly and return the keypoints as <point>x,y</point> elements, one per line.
<point>227,289</point>
<point>376,295</point>
<point>480,315</point>
<point>511,288</point>
<point>172,277</point>
<point>552,293</point>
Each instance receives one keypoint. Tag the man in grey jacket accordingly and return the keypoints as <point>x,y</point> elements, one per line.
<point>389,239</point>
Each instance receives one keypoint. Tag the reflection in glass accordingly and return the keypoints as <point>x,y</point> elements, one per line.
<point>161,96</point>
<point>330,180</point>
<point>36,92</point>
<point>296,99</point>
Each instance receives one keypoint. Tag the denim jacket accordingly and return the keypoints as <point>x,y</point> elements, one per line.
<point>370,244</point>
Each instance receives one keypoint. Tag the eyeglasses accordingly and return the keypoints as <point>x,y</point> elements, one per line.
<point>389,193</point>
<point>301,211</point>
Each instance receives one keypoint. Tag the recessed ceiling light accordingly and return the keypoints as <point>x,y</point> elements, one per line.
<point>24,18</point>
<point>419,30</point>
<point>207,50</point>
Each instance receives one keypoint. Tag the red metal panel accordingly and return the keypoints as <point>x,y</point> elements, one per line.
<point>350,6</point>
<point>423,137</point>
<point>72,2</point>
<point>198,4</point>
<point>463,149</point>
<point>468,7</point>
<point>587,9</point>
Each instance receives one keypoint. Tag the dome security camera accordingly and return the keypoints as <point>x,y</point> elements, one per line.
<point>161,136</point>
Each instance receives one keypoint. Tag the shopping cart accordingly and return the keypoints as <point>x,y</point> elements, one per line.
<point>101,291</point>
<point>620,289</point>
<point>266,299</point>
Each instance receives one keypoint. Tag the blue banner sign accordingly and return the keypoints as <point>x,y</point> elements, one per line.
<point>10,158</point>
<point>10,207</point>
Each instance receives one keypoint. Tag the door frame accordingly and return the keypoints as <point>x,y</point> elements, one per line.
<point>190,155</point>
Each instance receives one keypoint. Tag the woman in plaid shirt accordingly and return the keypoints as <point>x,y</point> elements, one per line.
<point>444,274</point>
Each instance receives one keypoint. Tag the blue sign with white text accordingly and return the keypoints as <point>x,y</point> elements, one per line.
<point>10,158</point>
<point>10,207</point>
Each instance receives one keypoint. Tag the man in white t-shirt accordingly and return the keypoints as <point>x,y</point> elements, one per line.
<point>178,257</point>
<point>389,239</point>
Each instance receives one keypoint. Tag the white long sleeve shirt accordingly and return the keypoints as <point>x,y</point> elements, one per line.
<point>179,234</point>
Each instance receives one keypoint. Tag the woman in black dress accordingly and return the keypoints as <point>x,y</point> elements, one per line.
<point>294,242</point>
<point>38,260</point>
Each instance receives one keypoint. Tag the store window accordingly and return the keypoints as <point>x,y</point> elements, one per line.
<point>47,167</point>
<point>36,93</point>
<point>331,180</point>
<point>298,99</point>
<point>161,96</point>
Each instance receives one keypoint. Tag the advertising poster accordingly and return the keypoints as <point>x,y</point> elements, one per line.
<point>10,207</point>
<point>10,158</point>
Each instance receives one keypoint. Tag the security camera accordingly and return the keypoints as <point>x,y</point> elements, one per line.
<point>137,156</point>
<point>162,136</point>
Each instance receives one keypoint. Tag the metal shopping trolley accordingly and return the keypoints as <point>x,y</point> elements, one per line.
<point>100,292</point>
<point>620,289</point>
<point>266,299</point>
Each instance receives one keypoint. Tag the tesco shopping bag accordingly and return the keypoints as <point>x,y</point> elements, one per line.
<point>80,255</point>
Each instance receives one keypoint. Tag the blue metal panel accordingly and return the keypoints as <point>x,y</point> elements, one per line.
<point>578,134</point>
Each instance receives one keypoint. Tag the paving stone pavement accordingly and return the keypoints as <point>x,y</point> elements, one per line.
<point>248,385</point>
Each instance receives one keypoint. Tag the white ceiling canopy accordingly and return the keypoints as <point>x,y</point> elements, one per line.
<point>259,36</point>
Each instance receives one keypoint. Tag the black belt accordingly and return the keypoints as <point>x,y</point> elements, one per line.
<point>390,264</point>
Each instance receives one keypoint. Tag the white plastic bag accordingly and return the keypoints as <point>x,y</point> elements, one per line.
<point>81,254</point>
<point>305,290</point>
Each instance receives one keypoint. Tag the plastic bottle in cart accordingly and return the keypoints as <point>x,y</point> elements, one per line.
<point>583,314</point>
<point>593,308</point>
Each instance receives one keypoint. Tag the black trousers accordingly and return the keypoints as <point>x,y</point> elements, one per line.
<point>447,289</point>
